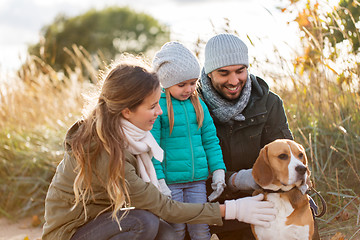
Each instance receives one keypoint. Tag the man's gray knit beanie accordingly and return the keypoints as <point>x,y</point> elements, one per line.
<point>174,63</point>
<point>225,50</point>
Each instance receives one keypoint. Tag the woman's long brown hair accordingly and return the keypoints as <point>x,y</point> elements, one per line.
<point>125,86</point>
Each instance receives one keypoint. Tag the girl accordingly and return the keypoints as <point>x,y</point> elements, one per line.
<point>187,135</point>
<point>105,187</point>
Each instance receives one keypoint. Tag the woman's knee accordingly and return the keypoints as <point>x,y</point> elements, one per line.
<point>166,231</point>
<point>148,223</point>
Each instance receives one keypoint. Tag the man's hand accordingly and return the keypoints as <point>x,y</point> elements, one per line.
<point>242,180</point>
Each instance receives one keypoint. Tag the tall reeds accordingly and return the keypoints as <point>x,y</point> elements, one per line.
<point>320,89</point>
<point>37,107</point>
<point>320,93</point>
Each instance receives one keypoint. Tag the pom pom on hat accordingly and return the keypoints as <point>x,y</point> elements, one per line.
<point>225,50</point>
<point>174,63</point>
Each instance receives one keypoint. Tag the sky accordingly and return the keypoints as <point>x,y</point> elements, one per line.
<point>22,20</point>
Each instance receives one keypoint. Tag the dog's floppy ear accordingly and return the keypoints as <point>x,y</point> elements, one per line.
<point>262,171</point>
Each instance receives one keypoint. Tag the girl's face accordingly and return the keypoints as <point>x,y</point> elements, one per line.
<point>146,113</point>
<point>183,90</point>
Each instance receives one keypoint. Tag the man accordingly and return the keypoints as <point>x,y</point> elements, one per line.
<point>246,114</point>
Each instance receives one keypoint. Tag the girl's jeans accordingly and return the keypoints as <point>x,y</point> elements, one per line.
<point>138,224</point>
<point>192,192</point>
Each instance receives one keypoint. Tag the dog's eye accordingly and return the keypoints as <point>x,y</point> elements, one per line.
<point>301,155</point>
<point>283,156</point>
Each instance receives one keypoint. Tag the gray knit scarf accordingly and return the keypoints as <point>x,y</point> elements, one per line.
<point>223,109</point>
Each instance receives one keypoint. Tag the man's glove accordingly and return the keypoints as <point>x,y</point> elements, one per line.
<point>250,210</point>
<point>242,180</point>
<point>218,184</point>
<point>164,189</point>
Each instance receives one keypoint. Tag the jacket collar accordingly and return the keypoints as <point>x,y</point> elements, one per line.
<point>259,94</point>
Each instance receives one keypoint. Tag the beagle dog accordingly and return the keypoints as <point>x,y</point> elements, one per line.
<point>282,173</point>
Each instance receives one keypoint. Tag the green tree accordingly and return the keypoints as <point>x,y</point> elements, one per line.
<point>109,32</point>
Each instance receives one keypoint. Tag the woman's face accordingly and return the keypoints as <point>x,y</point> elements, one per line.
<point>146,113</point>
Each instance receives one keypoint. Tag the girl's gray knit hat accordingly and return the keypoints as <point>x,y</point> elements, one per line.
<point>174,63</point>
<point>225,50</point>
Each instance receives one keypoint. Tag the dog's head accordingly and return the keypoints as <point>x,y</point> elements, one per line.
<point>282,164</point>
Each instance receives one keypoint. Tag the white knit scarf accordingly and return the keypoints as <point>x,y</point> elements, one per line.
<point>144,146</point>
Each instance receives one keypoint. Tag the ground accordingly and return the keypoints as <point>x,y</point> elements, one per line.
<point>19,230</point>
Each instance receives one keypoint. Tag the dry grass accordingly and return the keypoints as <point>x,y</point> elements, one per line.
<point>39,105</point>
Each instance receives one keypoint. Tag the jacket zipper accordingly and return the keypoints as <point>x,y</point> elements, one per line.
<point>191,147</point>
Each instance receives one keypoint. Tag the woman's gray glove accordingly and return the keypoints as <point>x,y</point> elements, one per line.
<point>218,184</point>
<point>242,180</point>
<point>164,189</point>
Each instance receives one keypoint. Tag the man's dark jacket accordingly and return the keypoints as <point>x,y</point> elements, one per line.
<point>241,142</point>
<point>265,121</point>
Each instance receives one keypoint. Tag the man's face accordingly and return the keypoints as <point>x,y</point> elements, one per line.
<point>228,81</point>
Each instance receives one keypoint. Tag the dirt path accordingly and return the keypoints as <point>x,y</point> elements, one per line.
<point>20,230</point>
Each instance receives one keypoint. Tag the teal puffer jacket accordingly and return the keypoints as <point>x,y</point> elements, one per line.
<point>190,153</point>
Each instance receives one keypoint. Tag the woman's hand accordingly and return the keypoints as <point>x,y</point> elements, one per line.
<point>251,210</point>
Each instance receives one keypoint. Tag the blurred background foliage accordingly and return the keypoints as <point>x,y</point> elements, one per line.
<point>319,86</point>
<point>107,32</point>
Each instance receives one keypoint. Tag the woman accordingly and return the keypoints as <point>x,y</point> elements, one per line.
<point>106,186</point>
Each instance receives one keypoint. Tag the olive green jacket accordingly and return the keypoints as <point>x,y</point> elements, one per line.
<point>62,218</point>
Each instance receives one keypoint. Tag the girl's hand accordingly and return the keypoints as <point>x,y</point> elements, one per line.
<point>164,189</point>
<point>218,184</point>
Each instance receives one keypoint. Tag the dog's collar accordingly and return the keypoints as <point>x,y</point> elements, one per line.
<point>272,191</point>
<point>277,191</point>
